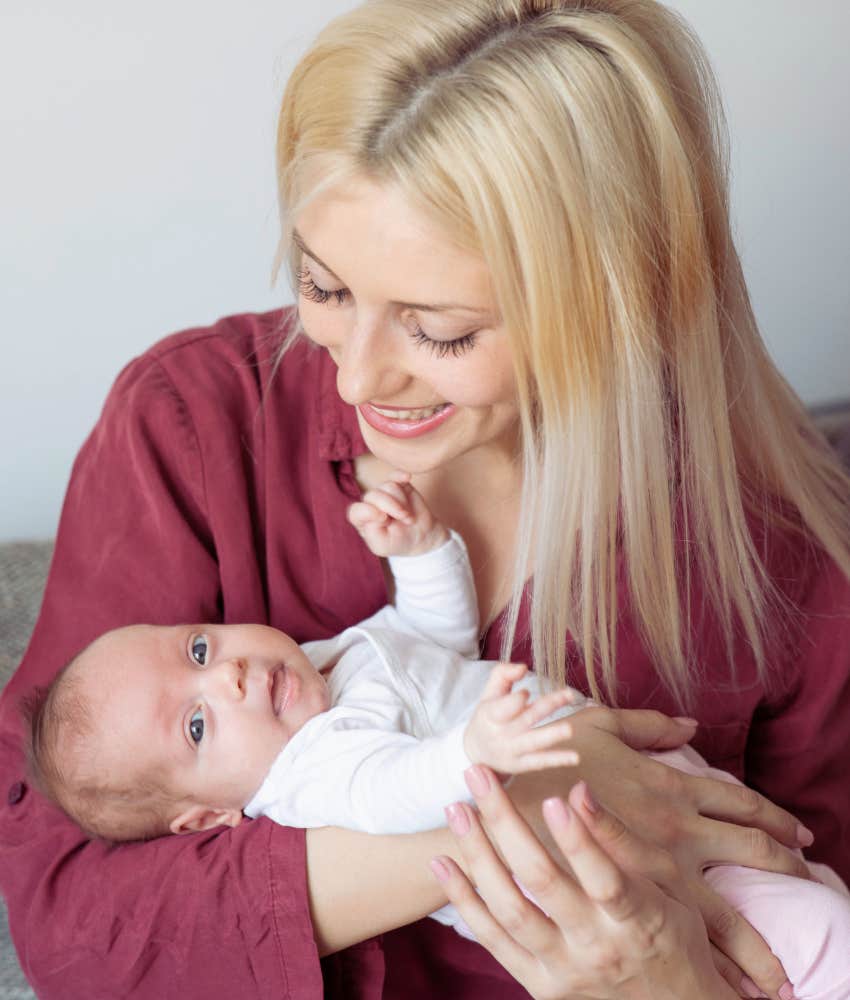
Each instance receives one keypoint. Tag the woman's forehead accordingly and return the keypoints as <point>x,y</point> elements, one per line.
<point>361,226</point>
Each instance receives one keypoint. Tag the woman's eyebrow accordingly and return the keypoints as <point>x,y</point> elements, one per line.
<point>302,246</point>
<point>423,307</point>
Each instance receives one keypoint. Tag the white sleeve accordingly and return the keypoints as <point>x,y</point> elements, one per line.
<point>435,596</point>
<point>372,780</point>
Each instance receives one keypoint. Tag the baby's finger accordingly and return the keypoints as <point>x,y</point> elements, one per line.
<point>361,514</point>
<point>543,737</point>
<point>502,678</point>
<point>545,706</point>
<point>540,760</point>
<point>506,708</point>
<point>393,505</point>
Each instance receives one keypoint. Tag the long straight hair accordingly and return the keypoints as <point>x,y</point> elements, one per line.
<point>580,147</point>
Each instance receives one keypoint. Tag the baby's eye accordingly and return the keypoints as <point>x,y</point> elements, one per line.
<point>199,648</point>
<point>196,726</point>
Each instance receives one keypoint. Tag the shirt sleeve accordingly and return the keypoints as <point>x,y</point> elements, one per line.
<point>363,778</point>
<point>435,596</point>
<point>798,751</point>
<point>215,914</point>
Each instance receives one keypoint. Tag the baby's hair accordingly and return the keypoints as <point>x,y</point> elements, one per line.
<point>61,738</point>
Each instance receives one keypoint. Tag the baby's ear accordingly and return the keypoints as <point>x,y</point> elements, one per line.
<point>197,817</point>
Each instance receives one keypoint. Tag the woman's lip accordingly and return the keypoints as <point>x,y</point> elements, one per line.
<point>403,428</point>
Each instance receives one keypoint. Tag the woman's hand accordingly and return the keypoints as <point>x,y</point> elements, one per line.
<point>696,821</point>
<point>599,933</point>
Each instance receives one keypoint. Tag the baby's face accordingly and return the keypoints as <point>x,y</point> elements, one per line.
<point>208,706</point>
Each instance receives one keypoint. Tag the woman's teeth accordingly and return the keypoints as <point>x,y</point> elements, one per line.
<point>410,414</point>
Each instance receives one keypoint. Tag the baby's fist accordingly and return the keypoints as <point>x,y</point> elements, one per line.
<point>394,520</point>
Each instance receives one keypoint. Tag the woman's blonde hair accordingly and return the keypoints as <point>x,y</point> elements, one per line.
<point>580,147</point>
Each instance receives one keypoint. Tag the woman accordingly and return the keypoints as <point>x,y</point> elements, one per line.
<point>509,229</point>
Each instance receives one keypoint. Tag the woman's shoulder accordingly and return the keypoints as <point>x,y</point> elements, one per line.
<point>244,343</point>
<point>234,369</point>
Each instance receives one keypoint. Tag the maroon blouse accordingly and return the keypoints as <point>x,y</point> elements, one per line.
<point>214,488</point>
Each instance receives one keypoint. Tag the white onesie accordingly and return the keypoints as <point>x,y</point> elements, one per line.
<point>388,755</point>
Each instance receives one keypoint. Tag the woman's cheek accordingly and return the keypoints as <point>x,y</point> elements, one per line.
<point>319,324</point>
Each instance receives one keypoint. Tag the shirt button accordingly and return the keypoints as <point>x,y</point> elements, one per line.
<point>16,792</point>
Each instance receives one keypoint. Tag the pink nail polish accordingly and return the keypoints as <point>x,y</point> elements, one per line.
<point>477,780</point>
<point>685,721</point>
<point>557,812</point>
<point>805,837</point>
<point>441,873</point>
<point>457,819</point>
<point>589,801</point>
<point>786,992</point>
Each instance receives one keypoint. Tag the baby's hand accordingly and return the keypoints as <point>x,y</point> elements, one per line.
<point>394,520</point>
<point>501,732</point>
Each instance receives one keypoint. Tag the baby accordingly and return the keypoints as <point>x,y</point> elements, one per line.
<point>151,729</point>
<point>370,730</point>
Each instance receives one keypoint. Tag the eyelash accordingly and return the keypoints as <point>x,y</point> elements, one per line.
<point>441,348</point>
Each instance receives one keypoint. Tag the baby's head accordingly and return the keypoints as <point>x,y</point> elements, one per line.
<point>153,729</point>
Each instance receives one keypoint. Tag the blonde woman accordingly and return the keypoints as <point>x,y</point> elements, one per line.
<point>508,225</point>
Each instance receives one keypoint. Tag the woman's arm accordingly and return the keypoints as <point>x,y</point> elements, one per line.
<point>361,884</point>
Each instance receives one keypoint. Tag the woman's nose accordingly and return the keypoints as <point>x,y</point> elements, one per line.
<point>368,367</point>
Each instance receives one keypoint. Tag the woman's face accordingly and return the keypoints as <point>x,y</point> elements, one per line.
<point>412,324</point>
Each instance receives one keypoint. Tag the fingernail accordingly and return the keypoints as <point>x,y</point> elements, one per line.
<point>805,838</point>
<point>685,721</point>
<point>786,992</point>
<point>441,873</point>
<point>457,818</point>
<point>477,780</point>
<point>748,987</point>
<point>590,802</point>
<point>557,812</point>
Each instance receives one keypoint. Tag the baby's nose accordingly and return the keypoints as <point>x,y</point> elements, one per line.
<point>231,676</point>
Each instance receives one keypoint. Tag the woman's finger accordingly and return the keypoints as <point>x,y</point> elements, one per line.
<point>488,931</point>
<point>725,800</point>
<point>645,729</point>
<point>730,972</point>
<point>512,910</point>
<point>751,847</point>
<point>556,891</point>
<point>741,943</point>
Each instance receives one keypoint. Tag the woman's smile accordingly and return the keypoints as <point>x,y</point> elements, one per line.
<point>400,423</point>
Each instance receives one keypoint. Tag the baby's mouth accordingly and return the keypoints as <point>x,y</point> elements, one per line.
<point>279,689</point>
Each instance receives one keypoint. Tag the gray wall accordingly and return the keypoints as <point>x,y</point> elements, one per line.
<point>137,194</point>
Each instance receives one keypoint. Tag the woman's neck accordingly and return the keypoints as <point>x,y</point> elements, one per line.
<point>479,496</point>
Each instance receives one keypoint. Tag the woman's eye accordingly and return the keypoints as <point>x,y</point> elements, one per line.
<point>196,726</point>
<point>310,290</point>
<point>443,348</point>
<point>199,649</point>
